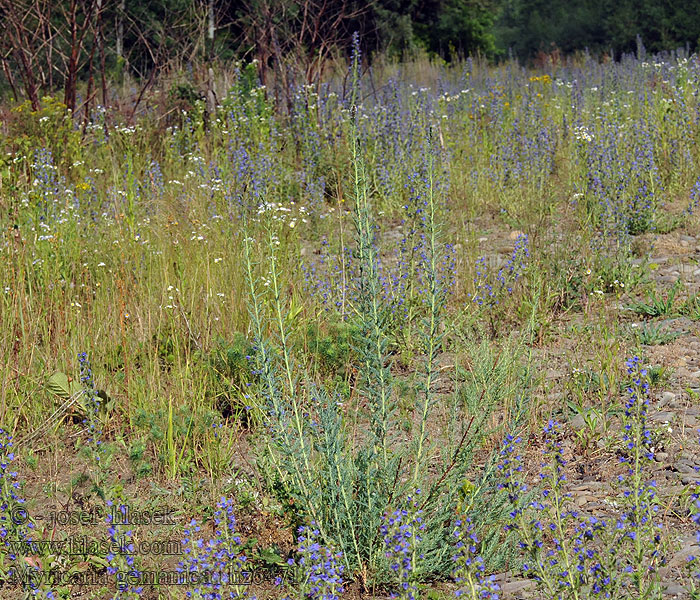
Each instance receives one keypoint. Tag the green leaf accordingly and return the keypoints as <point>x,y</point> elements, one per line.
<point>271,557</point>
<point>59,385</point>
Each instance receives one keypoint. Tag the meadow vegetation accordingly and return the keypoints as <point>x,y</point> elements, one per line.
<point>427,330</point>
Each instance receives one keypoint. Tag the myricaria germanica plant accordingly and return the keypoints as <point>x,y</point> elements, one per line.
<point>345,468</point>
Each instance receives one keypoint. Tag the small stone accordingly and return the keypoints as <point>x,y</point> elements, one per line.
<point>667,397</point>
<point>681,557</point>
<point>662,417</point>
<point>683,467</point>
<point>661,457</point>
<point>515,587</point>
<point>515,234</point>
<point>673,588</point>
<point>578,422</point>
<point>581,501</point>
<point>689,420</point>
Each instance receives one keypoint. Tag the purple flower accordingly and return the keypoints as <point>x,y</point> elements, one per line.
<point>320,568</point>
<point>402,537</point>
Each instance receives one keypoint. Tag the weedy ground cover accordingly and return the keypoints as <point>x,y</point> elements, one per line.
<point>326,337</point>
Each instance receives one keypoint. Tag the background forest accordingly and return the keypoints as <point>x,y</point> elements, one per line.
<point>49,44</point>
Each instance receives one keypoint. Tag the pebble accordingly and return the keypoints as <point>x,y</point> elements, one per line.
<point>515,587</point>
<point>662,417</point>
<point>591,486</point>
<point>683,467</point>
<point>689,548</point>
<point>696,273</point>
<point>690,421</point>
<point>578,422</point>
<point>673,588</point>
<point>667,397</point>
<point>687,238</point>
<point>581,501</point>
<point>667,279</point>
<point>672,322</point>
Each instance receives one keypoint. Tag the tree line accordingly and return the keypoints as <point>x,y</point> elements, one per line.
<point>53,44</point>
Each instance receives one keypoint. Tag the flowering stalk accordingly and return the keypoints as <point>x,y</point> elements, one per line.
<point>321,571</point>
<point>469,566</point>
<point>122,564</point>
<point>92,419</point>
<point>692,564</point>
<point>491,291</point>
<point>218,564</point>
<point>16,529</point>
<point>555,560</point>
<point>636,524</point>
<point>401,531</point>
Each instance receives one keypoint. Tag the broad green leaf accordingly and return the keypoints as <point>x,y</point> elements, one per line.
<point>59,385</point>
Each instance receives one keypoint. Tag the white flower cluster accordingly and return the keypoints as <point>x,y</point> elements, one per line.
<point>582,133</point>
